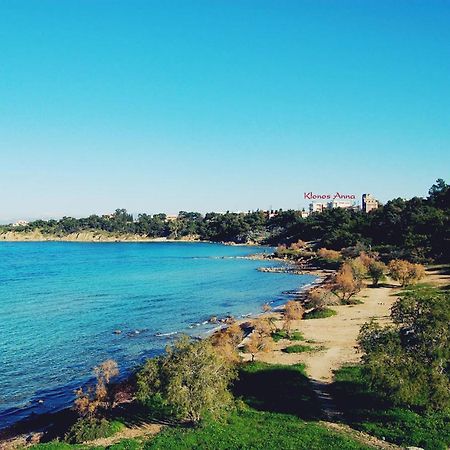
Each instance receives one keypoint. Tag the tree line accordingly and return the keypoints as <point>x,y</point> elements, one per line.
<point>415,229</point>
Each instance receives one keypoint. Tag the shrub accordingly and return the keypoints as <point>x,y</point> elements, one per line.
<point>90,428</point>
<point>258,342</point>
<point>406,272</point>
<point>227,340</point>
<point>319,314</point>
<point>319,298</point>
<point>365,411</point>
<point>407,362</point>
<point>298,349</point>
<point>188,383</point>
<point>331,255</point>
<point>347,282</point>
<point>376,270</point>
<point>293,310</point>
<point>90,402</point>
<point>281,334</point>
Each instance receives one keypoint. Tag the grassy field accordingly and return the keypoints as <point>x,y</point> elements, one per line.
<point>367,412</point>
<point>276,409</point>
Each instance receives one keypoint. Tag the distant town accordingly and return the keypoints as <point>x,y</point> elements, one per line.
<point>320,203</point>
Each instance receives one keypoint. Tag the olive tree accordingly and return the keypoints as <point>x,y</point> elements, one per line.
<point>189,382</point>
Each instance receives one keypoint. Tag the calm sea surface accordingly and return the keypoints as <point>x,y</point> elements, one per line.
<point>60,304</point>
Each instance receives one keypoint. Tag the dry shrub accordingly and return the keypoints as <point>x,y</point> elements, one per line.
<point>406,272</point>
<point>329,254</point>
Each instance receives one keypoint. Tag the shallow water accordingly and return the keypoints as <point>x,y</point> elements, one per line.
<point>61,302</point>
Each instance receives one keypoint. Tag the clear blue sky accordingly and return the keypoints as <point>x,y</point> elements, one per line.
<point>218,105</point>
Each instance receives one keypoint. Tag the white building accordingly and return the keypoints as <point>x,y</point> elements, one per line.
<point>317,207</point>
<point>20,223</point>
<point>339,204</point>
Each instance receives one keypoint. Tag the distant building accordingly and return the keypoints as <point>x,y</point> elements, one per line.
<point>171,217</point>
<point>340,204</point>
<point>317,207</point>
<point>20,223</point>
<point>320,207</point>
<point>369,203</point>
<point>304,213</point>
<point>270,213</point>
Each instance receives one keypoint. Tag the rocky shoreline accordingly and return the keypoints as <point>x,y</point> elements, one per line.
<point>31,430</point>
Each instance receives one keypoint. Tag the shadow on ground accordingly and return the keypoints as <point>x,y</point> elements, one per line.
<point>277,388</point>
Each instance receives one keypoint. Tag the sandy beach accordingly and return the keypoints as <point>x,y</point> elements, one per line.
<point>335,338</point>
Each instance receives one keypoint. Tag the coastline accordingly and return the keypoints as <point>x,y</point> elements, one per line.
<point>24,430</point>
<point>86,236</point>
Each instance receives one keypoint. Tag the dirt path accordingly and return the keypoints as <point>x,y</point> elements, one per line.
<point>141,431</point>
<point>334,337</point>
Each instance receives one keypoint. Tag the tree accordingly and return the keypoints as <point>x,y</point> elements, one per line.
<point>346,285</point>
<point>319,298</point>
<point>329,254</point>
<point>90,401</point>
<point>257,343</point>
<point>189,382</point>
<point>227,340</point>
<point>293,310</point>
<point>376,270</point>
<point>408,361</point>
<point>406,272</point>
<point>262,325</point>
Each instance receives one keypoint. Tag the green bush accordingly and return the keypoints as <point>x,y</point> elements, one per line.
<point>365,410</point>
<point>406,361</point>
<point>88,429</point>
<point>282,334</point>
<point>298,349</point>
<point>190,381</point>
<point>319,313</point>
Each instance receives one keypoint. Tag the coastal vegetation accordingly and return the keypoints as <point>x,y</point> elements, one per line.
<point>188,383</point>
<point>407,362</point>
<point>414,229</point>
<point>211,398</point>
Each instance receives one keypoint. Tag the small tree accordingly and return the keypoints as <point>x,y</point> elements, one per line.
<point>346,284</point>
<point>292,311</point>
<point>332,255</point>
<point>376,270</point>
<point>189,382</point>
<point>408,360</point>
<point>405,272</point>
<point>319,298</point>
<point>257,343</point>
<point>262,326</point>
<point>90,401</point>
<point>227,340</point>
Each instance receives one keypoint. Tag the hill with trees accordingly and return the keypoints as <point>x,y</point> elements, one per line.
<point>415,229</point>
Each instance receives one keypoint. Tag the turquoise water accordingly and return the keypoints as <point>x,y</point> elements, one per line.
<point>60,304</point>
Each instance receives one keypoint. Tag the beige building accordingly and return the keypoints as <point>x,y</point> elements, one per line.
<point>317,207</point>
<point>369,203</point>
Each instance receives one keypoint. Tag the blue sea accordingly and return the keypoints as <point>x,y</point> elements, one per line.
<point>61,303</point>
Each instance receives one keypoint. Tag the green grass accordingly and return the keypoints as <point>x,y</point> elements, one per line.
<point>277,409</point>
<point>127,444</point>
<point>250,429</point>
<point>298,349</point>
<point>367,412</point>
<point>277,388</point>
<point>282,334</point>
<point>320,313</point>
<point>89,429</point>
